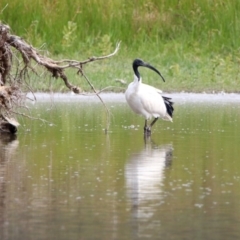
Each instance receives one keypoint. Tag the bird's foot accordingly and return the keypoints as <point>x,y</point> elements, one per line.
<point>147,131</point>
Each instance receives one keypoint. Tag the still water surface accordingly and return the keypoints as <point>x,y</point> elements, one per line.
<point>67,179</point>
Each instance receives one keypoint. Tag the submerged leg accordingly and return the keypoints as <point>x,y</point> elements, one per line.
<point>147,129</point>
<point>145,126</point>
<point>152,123</point>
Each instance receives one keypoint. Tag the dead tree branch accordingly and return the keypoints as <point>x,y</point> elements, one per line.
<point>30,55</point>
<point>54,67</point>
<point>5,55</point>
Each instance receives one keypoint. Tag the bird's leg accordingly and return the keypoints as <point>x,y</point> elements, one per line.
<point>147,129</point>
<point>152,123</point>
<point>145,126</point>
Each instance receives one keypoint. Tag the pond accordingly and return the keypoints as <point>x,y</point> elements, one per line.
<point>64,178</point>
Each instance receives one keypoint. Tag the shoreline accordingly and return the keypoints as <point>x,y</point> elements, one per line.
<point>181,97</point>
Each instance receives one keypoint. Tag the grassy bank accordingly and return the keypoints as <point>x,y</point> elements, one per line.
<point>195,44</point>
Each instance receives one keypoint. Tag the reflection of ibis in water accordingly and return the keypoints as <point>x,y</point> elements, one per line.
<point>144,178</point>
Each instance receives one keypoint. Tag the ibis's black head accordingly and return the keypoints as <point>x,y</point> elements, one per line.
<point>140,63</point>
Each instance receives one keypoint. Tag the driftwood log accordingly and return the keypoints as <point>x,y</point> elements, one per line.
<point>11,95</point>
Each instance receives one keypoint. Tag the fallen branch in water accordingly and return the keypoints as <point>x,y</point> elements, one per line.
<point>11,94</point>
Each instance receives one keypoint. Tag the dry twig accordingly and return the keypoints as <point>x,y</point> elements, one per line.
<point>30,54</point>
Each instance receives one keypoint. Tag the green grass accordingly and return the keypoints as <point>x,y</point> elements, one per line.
<point>195,44</point>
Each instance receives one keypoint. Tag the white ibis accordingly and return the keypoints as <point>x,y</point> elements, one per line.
<point>146,100</point>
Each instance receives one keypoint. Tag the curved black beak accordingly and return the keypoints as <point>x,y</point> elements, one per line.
<point>154,69</point>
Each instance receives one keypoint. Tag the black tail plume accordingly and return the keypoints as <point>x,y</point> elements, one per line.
<point>169,105</point>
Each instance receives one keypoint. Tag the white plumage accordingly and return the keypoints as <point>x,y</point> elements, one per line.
<point>147,100</point>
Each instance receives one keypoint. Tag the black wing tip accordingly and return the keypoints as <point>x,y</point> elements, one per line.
<point>169,105</point>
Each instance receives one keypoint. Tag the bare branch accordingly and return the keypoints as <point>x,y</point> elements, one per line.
<point>75,63</point>
<point>55,67</point>
<point>5,54</point>
<point>8,98</point>
<point>33,118</point>
<point>105,107</point>
<point>102,57</point>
